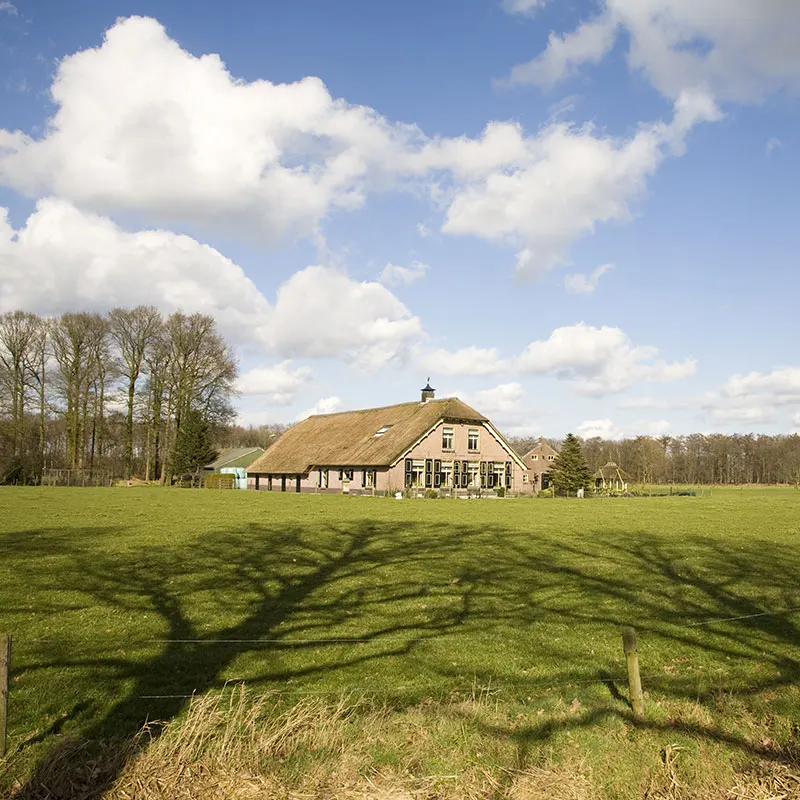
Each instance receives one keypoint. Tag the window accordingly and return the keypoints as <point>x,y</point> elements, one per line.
<point>369,478</point>
<point>417,474</point>
<point>534,458</point>
<point>524,477</point>
<point>474,472</point>
<point>447,438</point>
<point>550,458</point>
<point>447,474</point>
<point>381,431</point>
<point>473,440</point>
<point>499,470</point>
<point>345,474</point>
<point>323,479</point>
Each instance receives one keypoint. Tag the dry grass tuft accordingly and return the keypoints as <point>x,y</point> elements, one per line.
<point>557,783</point>
<point>235,745</point>
<point>241,746</point>
<point>768,781</point>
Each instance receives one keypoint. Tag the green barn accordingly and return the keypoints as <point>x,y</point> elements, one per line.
<point>241,457</point>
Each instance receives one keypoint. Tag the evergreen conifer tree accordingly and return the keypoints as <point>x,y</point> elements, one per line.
<point>570,470</point>
<point>193,447</point>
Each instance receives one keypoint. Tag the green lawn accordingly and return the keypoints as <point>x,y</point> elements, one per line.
<point>122,602</point>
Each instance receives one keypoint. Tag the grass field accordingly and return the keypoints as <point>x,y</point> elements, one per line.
<point>477,638</point>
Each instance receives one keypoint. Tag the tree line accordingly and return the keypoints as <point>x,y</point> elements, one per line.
<point>694,459</point>
<point>118,394</point>
<point>109,393</point>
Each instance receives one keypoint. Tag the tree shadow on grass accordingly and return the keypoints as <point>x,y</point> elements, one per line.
<point>283,600</point>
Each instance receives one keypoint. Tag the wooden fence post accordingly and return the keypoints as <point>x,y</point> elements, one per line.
<point>5,669</point>
<point>634,679</point>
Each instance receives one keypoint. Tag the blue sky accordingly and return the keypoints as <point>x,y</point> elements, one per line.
<point>577,217</point>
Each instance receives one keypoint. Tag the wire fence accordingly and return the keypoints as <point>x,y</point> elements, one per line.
<point>633,676</point>
<point>378,638</point>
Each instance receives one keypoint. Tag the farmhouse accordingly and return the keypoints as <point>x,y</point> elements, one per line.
<point>428,444</point>
<point>539,462</point>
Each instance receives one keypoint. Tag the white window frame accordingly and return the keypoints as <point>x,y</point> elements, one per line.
<point>323,479</point>
<point>447,474</point>
<point>477,434</point>
<point>474,472</point>
<point>418,473</point>
<point>370,479</point>
<point>448,434</point>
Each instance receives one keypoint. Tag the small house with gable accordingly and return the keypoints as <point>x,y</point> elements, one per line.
<point>428,444</point>
<point>539,463</point>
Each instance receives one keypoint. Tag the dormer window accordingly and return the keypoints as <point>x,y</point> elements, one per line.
<point>381,431</point>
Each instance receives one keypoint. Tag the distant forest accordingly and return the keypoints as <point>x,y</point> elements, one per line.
<point>107,395</point>
<point>693,459</point>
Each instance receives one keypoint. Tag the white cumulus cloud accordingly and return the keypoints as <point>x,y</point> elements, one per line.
<point>522,6</point>
<point>607,429</point>
<point>580,283</point>
<point>278,384</point>
<point>142,125</point>
<point>394,275</point>
<point>739,50</point>
<point>595,361</point>
<point>604,428</point>
<point>325,405</point>
<point>466,361</point>
<point>755,397</point>
<point>589,43</point>
<point>506,407</point>
<point>781,383</point>
<point>600,361</point>
<point>321,312</point>
<point>540,193</point>
<point>65,259</point>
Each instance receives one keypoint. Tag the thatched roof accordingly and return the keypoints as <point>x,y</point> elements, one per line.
<point>348,439</point>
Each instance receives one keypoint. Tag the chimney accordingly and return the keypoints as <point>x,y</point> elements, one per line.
<point>428,392</point>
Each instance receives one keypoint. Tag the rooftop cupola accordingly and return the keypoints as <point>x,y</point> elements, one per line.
<point>428,392</point>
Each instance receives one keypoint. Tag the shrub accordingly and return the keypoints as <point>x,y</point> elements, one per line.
<point>431,494</point>
<point>500,491</point>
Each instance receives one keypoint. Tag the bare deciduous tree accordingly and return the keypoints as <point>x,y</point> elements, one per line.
<point>133,331</point>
